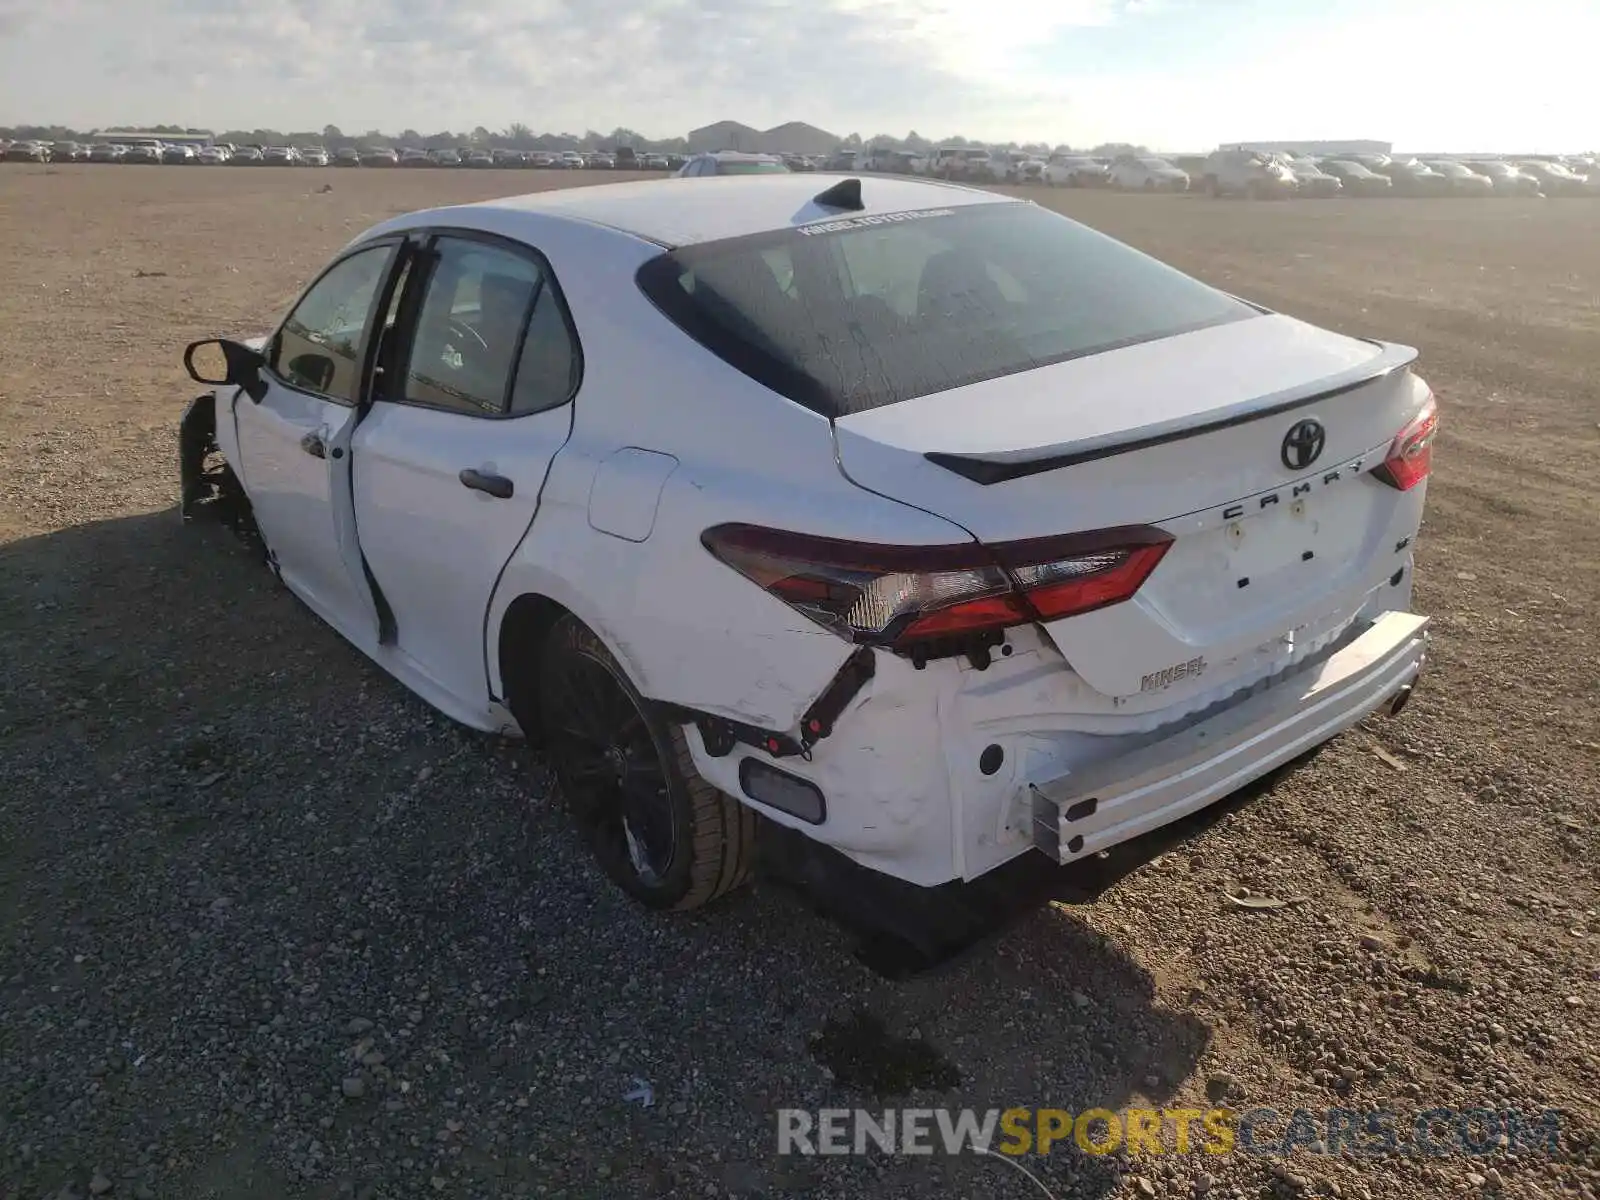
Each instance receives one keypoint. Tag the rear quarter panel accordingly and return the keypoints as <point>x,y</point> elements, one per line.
<point>687,628</point>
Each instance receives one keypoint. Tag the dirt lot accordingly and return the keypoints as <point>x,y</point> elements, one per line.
<point>235,859</point>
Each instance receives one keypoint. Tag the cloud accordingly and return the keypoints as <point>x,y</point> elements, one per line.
<point>663,65</point>
<point>1177,74</point>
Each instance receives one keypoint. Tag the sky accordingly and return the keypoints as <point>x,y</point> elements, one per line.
<point>1513,75</point>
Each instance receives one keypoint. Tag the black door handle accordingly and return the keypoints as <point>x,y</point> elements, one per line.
<point>497,486</point>
<point>313,445</point>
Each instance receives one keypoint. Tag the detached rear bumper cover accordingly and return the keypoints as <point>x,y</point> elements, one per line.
<point>1144,790</point>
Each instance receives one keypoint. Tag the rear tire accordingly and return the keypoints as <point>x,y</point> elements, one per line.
<point>659,831</point>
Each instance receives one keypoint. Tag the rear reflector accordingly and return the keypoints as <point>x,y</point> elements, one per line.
<point>1410,457</point>
<point>902,596</point>
<point>782,791</point>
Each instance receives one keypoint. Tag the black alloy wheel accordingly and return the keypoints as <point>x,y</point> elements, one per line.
<point>657,830</point>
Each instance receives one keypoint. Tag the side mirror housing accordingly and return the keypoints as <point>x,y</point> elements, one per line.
<point>225,363</point>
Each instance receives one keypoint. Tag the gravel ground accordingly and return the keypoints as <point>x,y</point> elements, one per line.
<point>270,927</point>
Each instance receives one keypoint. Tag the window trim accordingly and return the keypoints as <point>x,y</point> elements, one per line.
<point>365,355</point>
<point>410,313</point>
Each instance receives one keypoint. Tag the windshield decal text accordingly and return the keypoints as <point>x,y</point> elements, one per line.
<point>879,219</point>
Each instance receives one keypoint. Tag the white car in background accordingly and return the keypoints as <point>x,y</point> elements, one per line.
<point>952,531</point>
<point>983,166</point>
<point>876,158</point>
<point>908,162</point>
<point>967,163</point>
<point>1147,173</point>
<point>731,162</point>
<point>1252,173</point>
<point>211,156</point>
<point>1076,170</point>
<point>1558,179</point>
<point>1505,178</point>
<point>1313,180</point>
<point>27,151</point>
<point>1025,168</point>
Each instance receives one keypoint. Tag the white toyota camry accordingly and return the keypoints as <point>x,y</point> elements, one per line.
<point>920,520</point>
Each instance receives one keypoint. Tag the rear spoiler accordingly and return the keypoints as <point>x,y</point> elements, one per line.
<point>994,469</point>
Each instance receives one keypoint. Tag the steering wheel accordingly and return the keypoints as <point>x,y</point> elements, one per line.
<point>467,331</point>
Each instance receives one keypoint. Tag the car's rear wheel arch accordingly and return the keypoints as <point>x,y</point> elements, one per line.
<point>524,631</point>
<point>520,643</point>
<point>714,844</point>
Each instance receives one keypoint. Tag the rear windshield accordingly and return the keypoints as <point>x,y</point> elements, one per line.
<point>850,315</point>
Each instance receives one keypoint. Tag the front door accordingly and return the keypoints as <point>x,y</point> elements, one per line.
<point>472,406</point>
<point>295,442</point>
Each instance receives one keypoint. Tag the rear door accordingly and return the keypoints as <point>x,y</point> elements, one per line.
<point>474,402</point>
<point>294,443</point>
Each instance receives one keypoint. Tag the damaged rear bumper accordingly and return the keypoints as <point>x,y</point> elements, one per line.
<point>1082,813</point>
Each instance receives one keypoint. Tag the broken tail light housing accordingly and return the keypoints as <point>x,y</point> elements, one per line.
<point>1410,457</point>
<point>906,597</point>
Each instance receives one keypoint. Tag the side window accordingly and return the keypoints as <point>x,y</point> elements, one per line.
<point>319,347</point>
<point>476,304</point>
<point>547,372</point>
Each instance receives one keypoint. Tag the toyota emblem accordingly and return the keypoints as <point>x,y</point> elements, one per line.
<point>1302,445</point>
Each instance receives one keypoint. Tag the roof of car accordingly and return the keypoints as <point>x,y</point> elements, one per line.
<point>679,212</point>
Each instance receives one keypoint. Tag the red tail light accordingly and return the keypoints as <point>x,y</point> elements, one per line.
<point>902,595</point>
<point>1410,457</point>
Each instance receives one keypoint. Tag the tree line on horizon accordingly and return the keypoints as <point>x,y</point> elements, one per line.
<point>518,136</point>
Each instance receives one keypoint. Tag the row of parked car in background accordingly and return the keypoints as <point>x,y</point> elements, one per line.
<point>1235,171</point>
<point>1244,172</point>
<point>216,154</point>
<point>1264,175</point>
